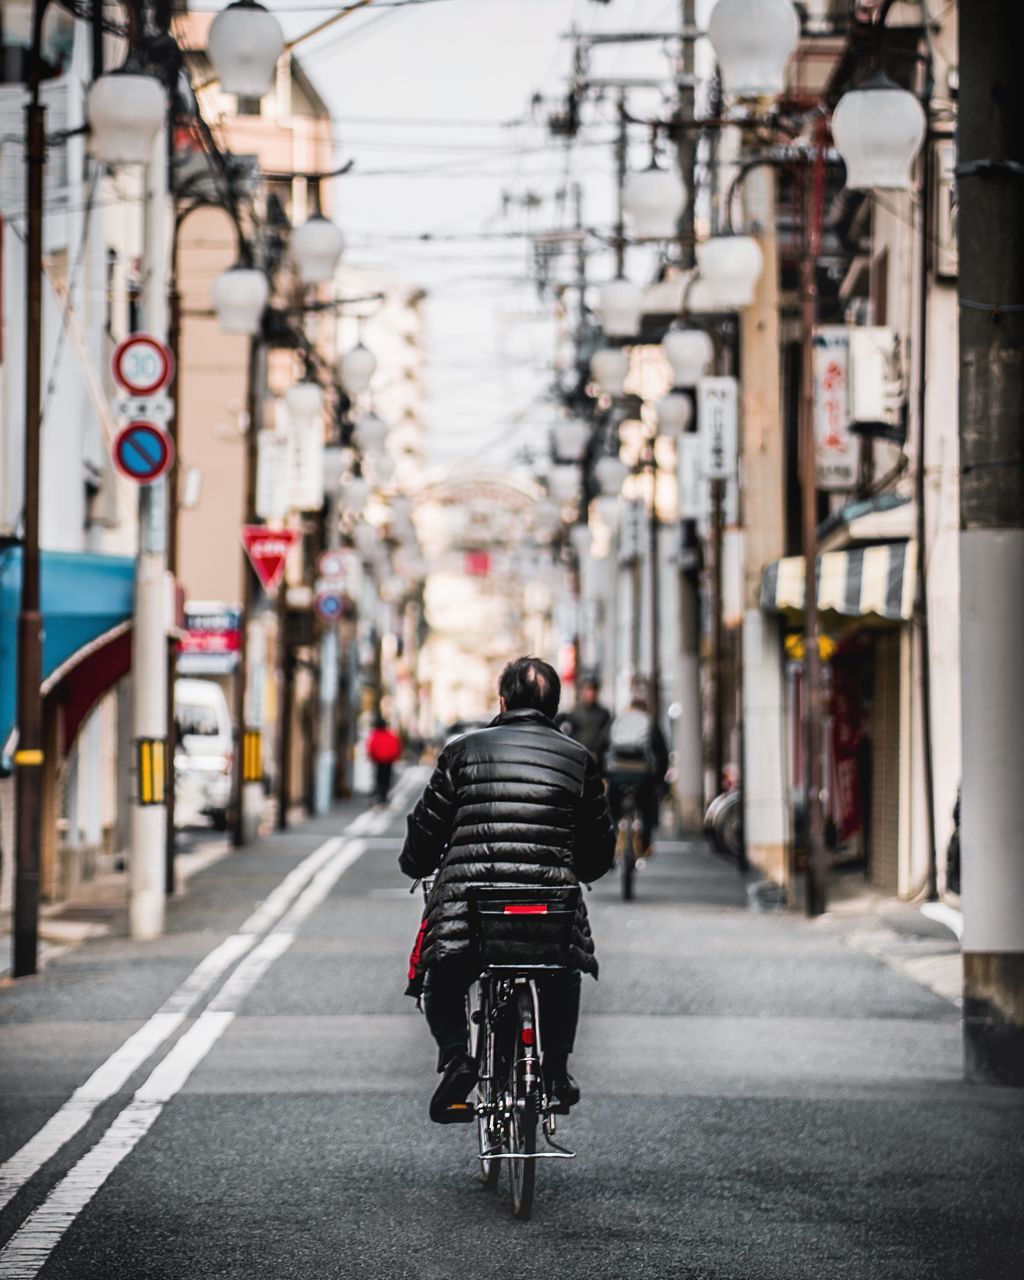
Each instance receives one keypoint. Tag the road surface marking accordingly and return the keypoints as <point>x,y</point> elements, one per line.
<point>111,1075</point>
<point>28,1249</point>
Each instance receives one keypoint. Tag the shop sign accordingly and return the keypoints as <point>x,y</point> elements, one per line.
<point>211,641</point>
<point>693,491</point>
<point>837,449</point>
<point>271,475</point>
<point>306,465</point>
<point>633,530</point>
<point>718,420</point>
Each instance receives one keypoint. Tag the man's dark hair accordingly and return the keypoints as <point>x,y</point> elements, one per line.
<point>529,682</point>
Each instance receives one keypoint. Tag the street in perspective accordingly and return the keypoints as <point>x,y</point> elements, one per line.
<point>511,583</point>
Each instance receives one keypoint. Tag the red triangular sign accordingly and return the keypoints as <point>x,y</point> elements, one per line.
<point>267,550</point>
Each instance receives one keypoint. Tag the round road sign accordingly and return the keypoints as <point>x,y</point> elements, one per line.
<point>142,364</point>
<point>143,452</point>
<point>328,606</point>
<point>330,565</point>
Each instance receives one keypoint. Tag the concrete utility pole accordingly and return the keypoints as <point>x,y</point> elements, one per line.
<point>991,220</point>
<point>688,739</point>
<point>147,870</point>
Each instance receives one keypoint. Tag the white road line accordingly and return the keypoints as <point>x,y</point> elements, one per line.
<point>26,1252</point>
<point>111,1075</point>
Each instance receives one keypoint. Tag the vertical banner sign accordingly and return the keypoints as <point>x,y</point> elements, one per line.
<point>718,415</point>
<point>836,447</point>
<point>272,488</point>
<point>633,531</point>
<point>693,496</point>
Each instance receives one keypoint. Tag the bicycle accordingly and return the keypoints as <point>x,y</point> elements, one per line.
<point>629,842</point>
<point>522,935</point>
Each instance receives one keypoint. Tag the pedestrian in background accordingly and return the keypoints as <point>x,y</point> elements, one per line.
<point>589,722</point>
<point>384,747</point>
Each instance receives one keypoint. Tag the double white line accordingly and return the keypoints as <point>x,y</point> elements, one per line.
<point>287,908</point>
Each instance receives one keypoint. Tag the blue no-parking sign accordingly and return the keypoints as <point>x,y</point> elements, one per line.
<point>143,452</point>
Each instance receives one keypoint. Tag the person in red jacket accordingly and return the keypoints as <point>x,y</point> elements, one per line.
<point>383,746</point>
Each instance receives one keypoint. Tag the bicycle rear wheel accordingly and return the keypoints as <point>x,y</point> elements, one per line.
<point>522,1127</point>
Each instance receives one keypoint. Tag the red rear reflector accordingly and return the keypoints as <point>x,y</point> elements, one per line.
<point>527,909</point>
<point>528,1036</point>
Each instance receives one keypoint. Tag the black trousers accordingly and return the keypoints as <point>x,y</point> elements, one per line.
<point>647,802</point>
<point>444,1002</point>
<point>382,781</point>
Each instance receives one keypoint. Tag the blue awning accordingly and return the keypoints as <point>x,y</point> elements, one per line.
<point>84,596</point>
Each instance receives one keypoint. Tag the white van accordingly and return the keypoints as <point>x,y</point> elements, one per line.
<point>205,754</point>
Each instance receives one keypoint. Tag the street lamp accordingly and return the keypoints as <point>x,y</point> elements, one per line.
<point>355,369</point>
<point>878,129</point>
<point>316,249</point>
<point>689,352</point>
<point>569,438</point>
<point>609,367</point>
<point>564,482</point>
<point>675,413</point>
<point>239,297</point>
<point>303,400</point>
<point>355,495</point>
<point>731,266</point>
<point>654,199</point>
<point>752,40</point>
<point>610,472</point>
<point>244,44</point>
<point>125,110</point>
<point>370,433</point>
<point>620,306</point>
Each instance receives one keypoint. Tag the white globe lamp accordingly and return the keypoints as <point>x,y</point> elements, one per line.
<point>370,432</point>
<point>239,296</point>
<point>355,495</point>
<point>564,483</point>
<point>732,266</point>
<point>654,200</point>
<point>752,40</point>
<point>579,536</point>
<point>303,400</point>
<point>609,367</point>
<point>675,413</point>
<point>334,467</point>
<point>546,517</point>
<point>610,473</point>
<point>570,440</point>
<point>878,129</point>
<point>244,44</point>
<point>316,249</point>
<point>607,508</point>
<point>125,111</point>
<point>383,465</point>
<point>356,369</point>
<point>365,538</point>
<point>620,306</point>
<point>689,352</point>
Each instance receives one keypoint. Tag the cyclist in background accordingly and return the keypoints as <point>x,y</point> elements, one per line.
<point>637,762</point>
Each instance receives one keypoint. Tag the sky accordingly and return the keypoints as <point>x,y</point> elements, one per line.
<point>432,103</point>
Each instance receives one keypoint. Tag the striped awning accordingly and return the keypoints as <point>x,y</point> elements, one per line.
<point>876,580</point>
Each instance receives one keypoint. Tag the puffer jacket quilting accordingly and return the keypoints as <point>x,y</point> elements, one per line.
<point>516,803</point>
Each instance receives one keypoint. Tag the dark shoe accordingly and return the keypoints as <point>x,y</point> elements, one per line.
<point>563,1093</point>
<point>449,1105</point>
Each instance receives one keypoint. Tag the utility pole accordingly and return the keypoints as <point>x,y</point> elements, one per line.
<point>991,217</point>
<point>249,748</point>
<point>28,758</point>
<point>687,729</point>
<point>147,861</point>
<point>814,208</point>
<point>174,342</point>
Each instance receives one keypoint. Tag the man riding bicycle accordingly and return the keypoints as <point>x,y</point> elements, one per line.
<point>637,763</point>
<point>517,803</point>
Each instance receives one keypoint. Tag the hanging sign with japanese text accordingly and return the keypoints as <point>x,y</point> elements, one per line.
<point>693,492</point>
<point>272,459</point>
<point>718,420</point>
<point>836,448</point>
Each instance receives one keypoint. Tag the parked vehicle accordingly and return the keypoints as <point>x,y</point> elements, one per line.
<point>204,755</point>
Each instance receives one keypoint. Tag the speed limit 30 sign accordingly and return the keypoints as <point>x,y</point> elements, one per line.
<point>142,365</point>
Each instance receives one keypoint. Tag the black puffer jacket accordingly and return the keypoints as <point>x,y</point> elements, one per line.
<point>515,803</point>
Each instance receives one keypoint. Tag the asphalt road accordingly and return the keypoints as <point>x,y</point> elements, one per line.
<point>761,1099</point>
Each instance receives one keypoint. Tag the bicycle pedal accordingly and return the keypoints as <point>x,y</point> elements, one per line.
<point>459,1112</point>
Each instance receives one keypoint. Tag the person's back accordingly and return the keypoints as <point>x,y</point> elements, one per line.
<point>517,803</point>
<point>637,764</point>
<point>589,722</point>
